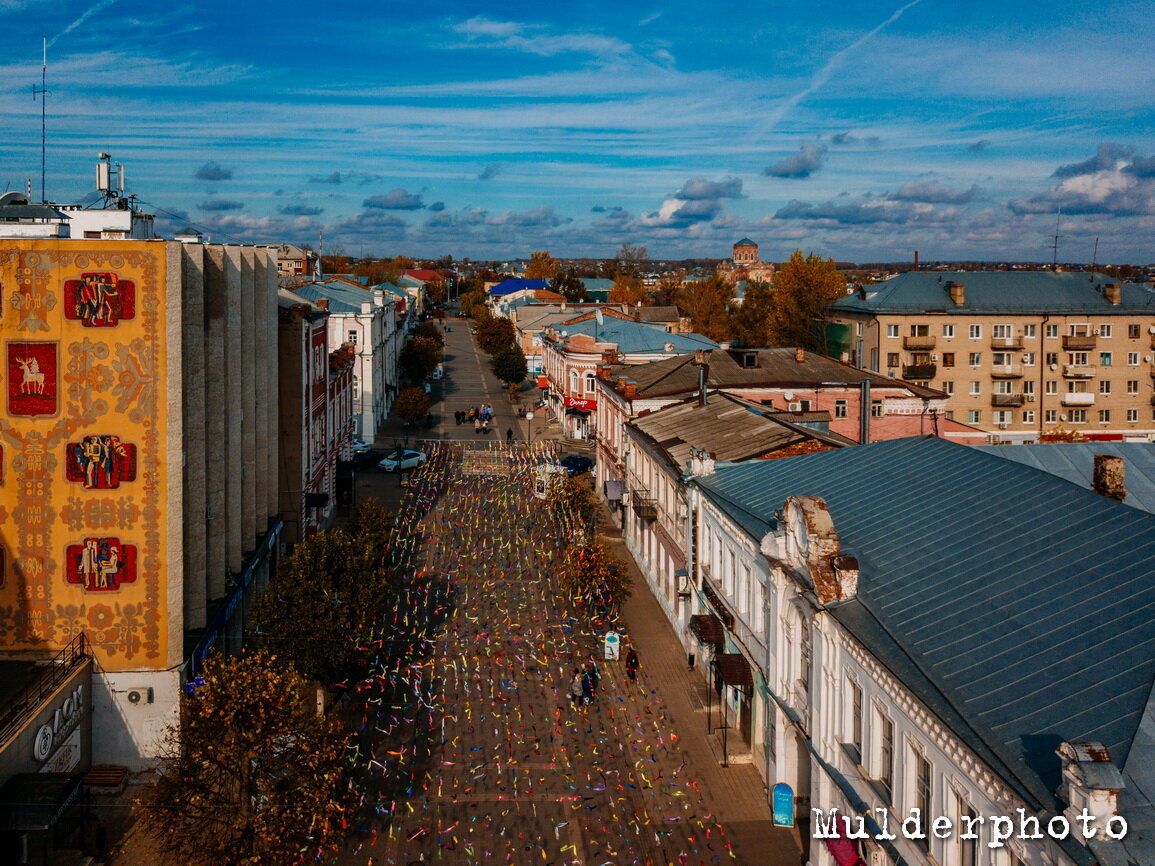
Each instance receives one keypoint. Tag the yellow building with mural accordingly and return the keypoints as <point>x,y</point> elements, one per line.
<point>137,461</point>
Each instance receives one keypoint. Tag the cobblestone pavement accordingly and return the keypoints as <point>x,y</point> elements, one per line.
<point>487,761</point>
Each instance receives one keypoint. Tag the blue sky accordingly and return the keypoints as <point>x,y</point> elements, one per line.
<point>858,130</point>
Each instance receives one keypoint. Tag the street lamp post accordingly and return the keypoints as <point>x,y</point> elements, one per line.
<point>529,424</point>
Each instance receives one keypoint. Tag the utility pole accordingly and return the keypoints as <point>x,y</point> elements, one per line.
<point>43,120</point>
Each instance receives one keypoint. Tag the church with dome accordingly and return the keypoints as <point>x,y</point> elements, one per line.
<point>745,265</point>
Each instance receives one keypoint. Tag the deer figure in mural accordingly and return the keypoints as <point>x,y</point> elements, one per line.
<point>33,379</point>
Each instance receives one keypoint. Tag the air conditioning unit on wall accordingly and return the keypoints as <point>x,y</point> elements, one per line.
<point>140,696</point>
<point>794,407</point>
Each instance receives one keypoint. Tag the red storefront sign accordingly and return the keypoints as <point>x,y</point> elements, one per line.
<point>543,381</point>
<point>584,405</point>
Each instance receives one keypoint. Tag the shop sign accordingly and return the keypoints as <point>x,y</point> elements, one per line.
<point>612,646</point>
<point>53,732</point>
<point>783,803</point>
<point>578,403</point>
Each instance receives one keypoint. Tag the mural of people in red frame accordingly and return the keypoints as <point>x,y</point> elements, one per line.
<point>33,378</point>
<point>101,462</point>
<point>99,300</point>
<point>101,564</point>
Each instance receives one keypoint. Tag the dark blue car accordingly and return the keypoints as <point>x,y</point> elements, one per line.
<point>576,464</point>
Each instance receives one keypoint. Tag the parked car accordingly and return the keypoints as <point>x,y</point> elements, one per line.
<point>364,458</point>
<point>403,459</point>
<point>361,445</point>
<point>576,464</point>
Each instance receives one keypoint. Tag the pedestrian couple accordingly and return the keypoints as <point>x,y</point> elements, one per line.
<point>583,687</point>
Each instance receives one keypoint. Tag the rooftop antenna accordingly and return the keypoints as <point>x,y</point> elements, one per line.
<point>1055,242</point>
<point>43,118</point>
<point>1094,259</point>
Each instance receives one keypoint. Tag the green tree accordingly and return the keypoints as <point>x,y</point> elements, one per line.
<point>750,320</point>
<point>251,774</point>
<point>542,266</point>
<point>412,404</point>
<point>420,357</point>
<point>573,502</point>
<point>803,287</point>
<point>571,287</point>
<point>706,303</point>
<point>509,365</point>
<point>494,334</point>
<point>371,526</point>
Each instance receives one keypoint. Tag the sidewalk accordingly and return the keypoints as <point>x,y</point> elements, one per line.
<point>738,794</point>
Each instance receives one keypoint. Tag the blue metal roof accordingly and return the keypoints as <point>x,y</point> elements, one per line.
<point>342,297</point>
<point>997,292</point>
<point>1018,606</point>
<point>633,337</point>
<point>508,287</point>
<point>1075,462</point>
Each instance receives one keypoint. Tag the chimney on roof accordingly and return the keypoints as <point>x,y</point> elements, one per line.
<point>323,303</point>
<point>620,384</point>
<point>702,461</point>
<point>958,295</point>
<point>630,390</point>
<point>799,355</point>
<point>724,346</point>
<point>1091,781</point>
<point>1109,479</point>
<point>1114,293</point>
<point>604,372</point>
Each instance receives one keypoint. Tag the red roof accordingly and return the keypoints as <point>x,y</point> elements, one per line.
<point>425,274</point>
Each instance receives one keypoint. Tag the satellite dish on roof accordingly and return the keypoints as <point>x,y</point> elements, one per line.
<point>789,395</point>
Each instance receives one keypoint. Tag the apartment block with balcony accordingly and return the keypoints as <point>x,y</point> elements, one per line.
<point>1023,354</point>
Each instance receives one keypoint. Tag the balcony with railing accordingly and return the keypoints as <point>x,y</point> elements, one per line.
<point>1079,342</point>
<point>1007,399</point>
<point>918,344</point>
<point>1078,399</point>
<point>1079,371</point>
<point>919,371</point>
<point>1007,371</point>
<point>1006,342</point>
<point>645,506</point>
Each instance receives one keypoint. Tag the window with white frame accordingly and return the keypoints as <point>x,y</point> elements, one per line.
<point>805,653</point>
<point>922,789</point>
<point>884,756</point>
<point>1029,331</point>
<point>1029,416</point>
<point>892,330</point>
<point>1028,359</point>
<point>840,409</point>
<point>948,331</point>
<point>855,732</point>
<point>1132,414</point>
<point>1105,386</point>
<point>1051,386</point>
<point>1132,359</point>
<point>948,387</point>
<point>976,358</point>
<point>1078,416</point>
<point>1028,386</point>
<point>1052,330</point>
<point>966,832</point>
<point>1104,416</point>
<point>975,332</point>
<point>1002,332</point>
<point>1104,330</point>
<point>591,383</point>
<point>974,416</point>
<point>1003,416</point>
<point>975,388</point>
<point>1050,416</point>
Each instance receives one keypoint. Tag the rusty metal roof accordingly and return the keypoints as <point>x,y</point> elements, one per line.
<point>1019,607</point>
<point>734,670</point>
<point>708,628</point>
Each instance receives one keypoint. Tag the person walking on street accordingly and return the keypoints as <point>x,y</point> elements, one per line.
<point>587,684</point>
<point>509,436</point>
<point>476,426</point>
<point>595,677</point>
<point>632,664</point>
<point>575,688</point>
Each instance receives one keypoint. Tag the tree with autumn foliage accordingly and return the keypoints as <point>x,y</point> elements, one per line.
<point>495,334</point>
<point>750,320</point>
<point>573,503</point>
<point>471,302</point>
<point>803,287</point>
<point>323,602</point>
<point>707,305</point>
<point>251,774</point>
<point>597,581</point>
<point>411,405</point>
<point>542,266</point>
<point>628,289</point>
<point>420,357</point>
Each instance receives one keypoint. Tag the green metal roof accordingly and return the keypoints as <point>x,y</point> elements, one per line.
<point>1019,292</point>
<point>1018,606</point>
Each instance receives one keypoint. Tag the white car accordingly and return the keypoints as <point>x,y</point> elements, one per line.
<point>361,445</point>
<point>403,460</point>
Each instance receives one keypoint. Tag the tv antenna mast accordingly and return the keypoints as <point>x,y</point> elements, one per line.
<point>1055,242</point>
<point>1094,259</point>
<point>43,118</point>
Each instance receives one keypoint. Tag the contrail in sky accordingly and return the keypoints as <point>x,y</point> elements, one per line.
<point>88,13</point>
<point>823,75</point>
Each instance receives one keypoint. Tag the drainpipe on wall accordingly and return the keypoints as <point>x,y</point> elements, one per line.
<point>864,412</point>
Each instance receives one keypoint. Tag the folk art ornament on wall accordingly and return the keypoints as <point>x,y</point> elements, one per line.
<point>101,564</point>
<point>99,300</point>
<point>100,462</point>
<point>33,378</point>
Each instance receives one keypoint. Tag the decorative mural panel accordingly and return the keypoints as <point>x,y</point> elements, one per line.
<point>33,378</point>
<point>84,493</point>
<point>100,300</point>
<point>101,462</point>
<point>101,564</point>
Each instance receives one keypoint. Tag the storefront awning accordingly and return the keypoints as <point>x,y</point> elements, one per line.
<point>36,801</point>
<point>614,490</point>
<point>708,629</point>
<point>734,670</point>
